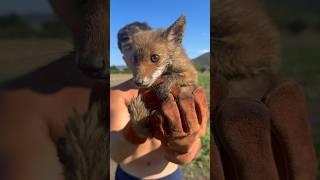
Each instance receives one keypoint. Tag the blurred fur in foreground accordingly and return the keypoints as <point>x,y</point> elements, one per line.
<point>246,48</point>
<point>84,150</point>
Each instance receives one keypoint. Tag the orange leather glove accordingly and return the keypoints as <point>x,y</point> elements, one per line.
<point>180,122</point>
<point>139,128</point>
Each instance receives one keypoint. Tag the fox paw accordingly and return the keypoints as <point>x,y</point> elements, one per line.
<point>139,116</point>
<point>162,91</point>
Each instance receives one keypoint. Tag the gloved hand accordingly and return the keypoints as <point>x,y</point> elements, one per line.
<point>262,139</point>
<point>180,122</point>
<point>139,128</point>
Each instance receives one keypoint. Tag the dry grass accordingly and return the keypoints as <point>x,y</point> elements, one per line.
<point>23,55</point>
<point>118,78</point>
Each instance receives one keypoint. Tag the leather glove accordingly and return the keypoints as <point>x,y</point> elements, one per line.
<point>139,128</point>
<point>180,122</point>
<point>276,128</point>
<point>191,104</point>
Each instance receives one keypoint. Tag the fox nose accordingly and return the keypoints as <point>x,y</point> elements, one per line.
<point>93,67</point>
<point>94,64</point>
<point>139,82</point>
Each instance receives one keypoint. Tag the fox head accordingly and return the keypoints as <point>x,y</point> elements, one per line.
<point>88,21</point>
<point>154,51</point>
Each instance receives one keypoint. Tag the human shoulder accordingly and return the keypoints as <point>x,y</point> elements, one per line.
<point>17,97</point>
<point>123,92</point>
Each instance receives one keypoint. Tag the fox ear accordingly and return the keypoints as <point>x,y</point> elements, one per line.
<point>175,32</point>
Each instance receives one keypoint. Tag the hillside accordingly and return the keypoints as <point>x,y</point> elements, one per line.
<point>203,59</point>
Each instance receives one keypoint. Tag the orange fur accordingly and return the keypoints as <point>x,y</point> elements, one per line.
<point>173,61</point>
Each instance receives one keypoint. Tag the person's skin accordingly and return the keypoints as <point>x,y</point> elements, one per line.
<point>33,112</point>
<point>146,160</point>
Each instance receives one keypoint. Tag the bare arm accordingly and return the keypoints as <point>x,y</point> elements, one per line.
<point>120,148</point>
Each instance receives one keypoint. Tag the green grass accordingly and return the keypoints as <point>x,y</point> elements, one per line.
<point>301,62</point>
<point>204,81</point>
<point>200,168</point>
<point>316,138</point>
<point>20,56</point>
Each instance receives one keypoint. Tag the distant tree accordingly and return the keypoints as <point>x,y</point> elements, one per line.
<point>317,27</point>
<point>200,68</point>
<point>126,70</point>
<point>13,26</point>
<point>114,69</point>
<point>297,26</point>
<point>12,20</point>
<point>54,29</point>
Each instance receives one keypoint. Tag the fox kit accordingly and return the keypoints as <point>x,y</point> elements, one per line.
<point>158,54</point>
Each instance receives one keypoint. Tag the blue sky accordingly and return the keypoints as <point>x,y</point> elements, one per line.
<point>23,7</point>
<point>161,14</point>
<point>157,13</point>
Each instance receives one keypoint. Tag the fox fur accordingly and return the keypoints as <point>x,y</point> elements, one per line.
<point>173,66</point>
<point>139,114</point>
<point>84,149</point>
<point>245,47</point>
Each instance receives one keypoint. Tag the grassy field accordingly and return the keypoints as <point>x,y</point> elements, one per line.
<point>21,56</point>
<point>199,168</point>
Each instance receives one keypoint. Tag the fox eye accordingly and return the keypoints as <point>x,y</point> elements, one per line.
<point>127,47</point>
<point>155,58</point>
<point>135,59</point>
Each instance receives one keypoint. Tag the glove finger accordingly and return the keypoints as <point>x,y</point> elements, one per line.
<point>173,126</point>
<point>189,119</point>
<point>157,125</point>
<point>201,106</point>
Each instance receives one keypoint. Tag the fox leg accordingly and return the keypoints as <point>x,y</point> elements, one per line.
<point>139,116</point>
<point>163,89</point>
<point>84,149</point>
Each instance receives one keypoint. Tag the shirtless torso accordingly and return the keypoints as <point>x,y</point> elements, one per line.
<point>146,160</point>
<point>33,112</point>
